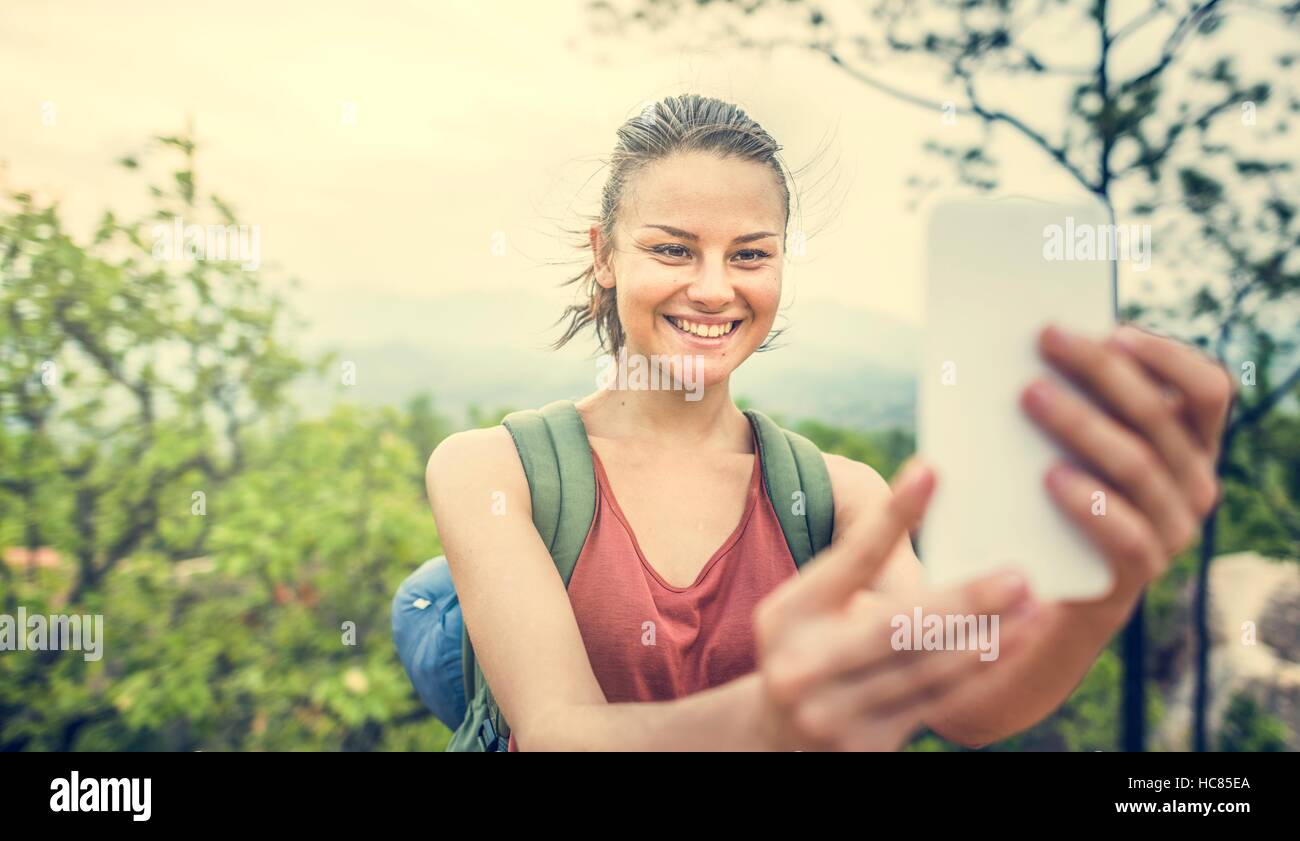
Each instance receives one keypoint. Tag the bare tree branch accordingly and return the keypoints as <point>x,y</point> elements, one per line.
<point>1176,39</point>
<point>1265,404</point>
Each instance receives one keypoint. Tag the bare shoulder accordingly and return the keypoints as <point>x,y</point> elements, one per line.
<point>855,486</point>
<point>476,456</point>
<point>860,492</point>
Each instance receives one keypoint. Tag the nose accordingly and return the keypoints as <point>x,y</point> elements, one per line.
<point>711,289</point>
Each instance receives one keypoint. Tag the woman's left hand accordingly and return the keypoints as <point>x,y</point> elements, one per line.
<point>1148,437</point>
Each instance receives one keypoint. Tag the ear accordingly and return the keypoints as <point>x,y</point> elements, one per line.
<point>604,274</point>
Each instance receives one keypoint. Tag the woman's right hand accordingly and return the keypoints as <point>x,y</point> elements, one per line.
<point>830,677</point>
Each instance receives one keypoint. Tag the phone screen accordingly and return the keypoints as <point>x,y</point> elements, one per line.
<point>997,272</point>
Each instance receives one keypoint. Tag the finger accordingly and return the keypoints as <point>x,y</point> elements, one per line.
<point>1118,382</point>
<point>1118,455</point>
<point>828,650</point>
<point>1118,530</point>
<point>920,677</point>
<point>846,645</point>
<point>900,699</point>
<point>881,737</point>
<point>1207,385</point>
<point>999,592</point>
<point>831,578</point>
<point>847,713</point>
<point>876,735</point>
<point>926,680</point>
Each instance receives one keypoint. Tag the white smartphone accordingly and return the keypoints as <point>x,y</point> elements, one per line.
<point>997,271</point>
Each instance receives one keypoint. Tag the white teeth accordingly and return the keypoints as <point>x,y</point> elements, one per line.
<point>707,331</point>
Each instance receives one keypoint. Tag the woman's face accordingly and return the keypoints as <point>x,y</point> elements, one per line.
<point>697,260</point>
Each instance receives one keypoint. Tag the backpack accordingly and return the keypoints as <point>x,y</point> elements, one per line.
<point>430,636</point>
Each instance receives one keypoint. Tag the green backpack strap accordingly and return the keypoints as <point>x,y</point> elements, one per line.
<point>798,485</point>
<point>553,446</point>
<point>556,456</point>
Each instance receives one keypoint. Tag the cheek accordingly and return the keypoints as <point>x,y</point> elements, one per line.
<point>639,297</point>
<point>636,305</point>
<point>764,298</point>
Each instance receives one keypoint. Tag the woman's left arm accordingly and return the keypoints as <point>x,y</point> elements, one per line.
<point>1147,432</point>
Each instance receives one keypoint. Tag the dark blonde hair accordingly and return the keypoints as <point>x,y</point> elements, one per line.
<point>675,124</point>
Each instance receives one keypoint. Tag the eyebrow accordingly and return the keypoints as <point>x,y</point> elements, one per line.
<point>678,232</point>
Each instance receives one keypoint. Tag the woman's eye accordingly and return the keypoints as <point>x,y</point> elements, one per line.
<point>672,250</point>
<point>681,252</point>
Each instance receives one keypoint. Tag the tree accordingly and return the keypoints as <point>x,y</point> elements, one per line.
<point>127,380</point>
<point>1122,131</point>
<point>243,560</point>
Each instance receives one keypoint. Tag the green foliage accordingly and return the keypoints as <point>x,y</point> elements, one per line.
<point>243,648</point>
<point>883,450</point>
<point>243,561</point>
<point>855,445</point>
<point>229,618</point>
<point>1246,727</point>
<point>1159,135</point>
<point>1261,501</point>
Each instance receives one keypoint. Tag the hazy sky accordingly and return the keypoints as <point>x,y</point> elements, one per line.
<point>381,145</point>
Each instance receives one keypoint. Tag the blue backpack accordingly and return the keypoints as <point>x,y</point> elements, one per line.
<point>430,635</point>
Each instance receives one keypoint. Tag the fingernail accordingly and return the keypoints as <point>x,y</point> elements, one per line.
<point>1024,609</point>
<point>1126,337</point>
<point>1056,339</point>
<point>915,471</point>
<point>1039,395</point>
<point>1060,474</point>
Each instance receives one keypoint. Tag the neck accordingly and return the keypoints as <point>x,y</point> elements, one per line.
<point>666,419</point>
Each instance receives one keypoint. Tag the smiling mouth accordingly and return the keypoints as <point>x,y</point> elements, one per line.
<point>695,330</point>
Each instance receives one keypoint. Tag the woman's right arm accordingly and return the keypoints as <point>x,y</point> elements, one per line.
<point>525,636</point>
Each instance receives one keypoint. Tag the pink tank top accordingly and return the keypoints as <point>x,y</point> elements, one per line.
<point>650,641</point>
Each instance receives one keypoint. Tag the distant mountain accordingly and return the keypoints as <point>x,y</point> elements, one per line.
<point>843,365</point>
<point>838,364</point>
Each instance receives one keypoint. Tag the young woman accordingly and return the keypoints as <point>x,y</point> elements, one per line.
<point>686,261</point>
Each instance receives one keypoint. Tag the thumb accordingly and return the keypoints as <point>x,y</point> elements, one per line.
<point>853,562</point>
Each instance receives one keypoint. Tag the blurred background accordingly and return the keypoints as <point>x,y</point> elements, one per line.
<point>225,457</point>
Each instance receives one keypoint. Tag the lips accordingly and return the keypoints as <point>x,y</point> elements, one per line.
<point>702,333</point>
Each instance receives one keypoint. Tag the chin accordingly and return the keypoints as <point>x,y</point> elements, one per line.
<point>706,372</point>
<point>689,370</point>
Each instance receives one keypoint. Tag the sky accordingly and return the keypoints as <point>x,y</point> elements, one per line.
<point>383,147</point>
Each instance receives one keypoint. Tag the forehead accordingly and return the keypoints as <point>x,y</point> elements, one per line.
<point>701,192</point>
